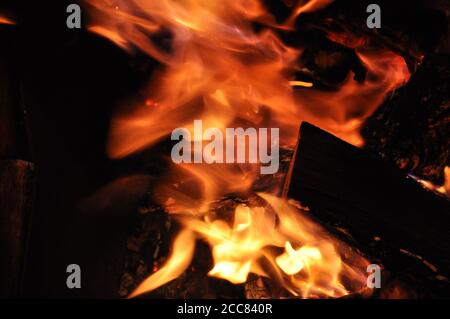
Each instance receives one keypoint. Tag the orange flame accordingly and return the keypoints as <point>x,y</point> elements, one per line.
<point>342,113</point>
<point>6,20</point>
<point>443,189</point>
<point>306,6</point>
<point>219,70</point>
<point>253,245</point>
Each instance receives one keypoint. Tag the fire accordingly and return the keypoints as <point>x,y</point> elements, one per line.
<point>253,244</point>
<point>342,113</point>
<point>301,83</point>
<point>442,189</point>
<point>217,68</point>
<point>293,261</point>
<point>306,6</point>
<point>183,250</point>
<point>6,20</point>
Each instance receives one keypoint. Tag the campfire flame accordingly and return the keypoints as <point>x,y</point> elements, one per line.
<point>443,189</point>
<point>219,70</point>
<point>5,20</point>
<point>254,244</point>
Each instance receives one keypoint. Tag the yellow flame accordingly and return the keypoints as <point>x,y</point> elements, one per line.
<point>292,261</point>
<point>301,83</point>
<point>249,246</point>
<point>178,261</point>
<point>235,272</point>
<point>444,189</point>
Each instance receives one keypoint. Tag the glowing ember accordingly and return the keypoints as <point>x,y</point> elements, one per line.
<point>219,70</point>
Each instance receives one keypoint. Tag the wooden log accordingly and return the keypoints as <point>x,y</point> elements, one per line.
<point>16,175</point>
<point>15,201</point>
<point>388,215</point>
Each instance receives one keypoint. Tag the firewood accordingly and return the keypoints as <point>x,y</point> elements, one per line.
<point>15,200</point>
<point>16,175</point>
<point>387,215</point>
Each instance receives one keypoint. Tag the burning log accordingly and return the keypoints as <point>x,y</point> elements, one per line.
<point>372,204</point>
<point>15,179</point>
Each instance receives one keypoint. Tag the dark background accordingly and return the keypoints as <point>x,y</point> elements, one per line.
<point>69,81</point>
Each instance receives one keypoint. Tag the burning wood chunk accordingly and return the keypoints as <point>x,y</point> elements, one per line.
<point>345,187</point>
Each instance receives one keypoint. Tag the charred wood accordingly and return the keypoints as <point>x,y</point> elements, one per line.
<point>374,206</point>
